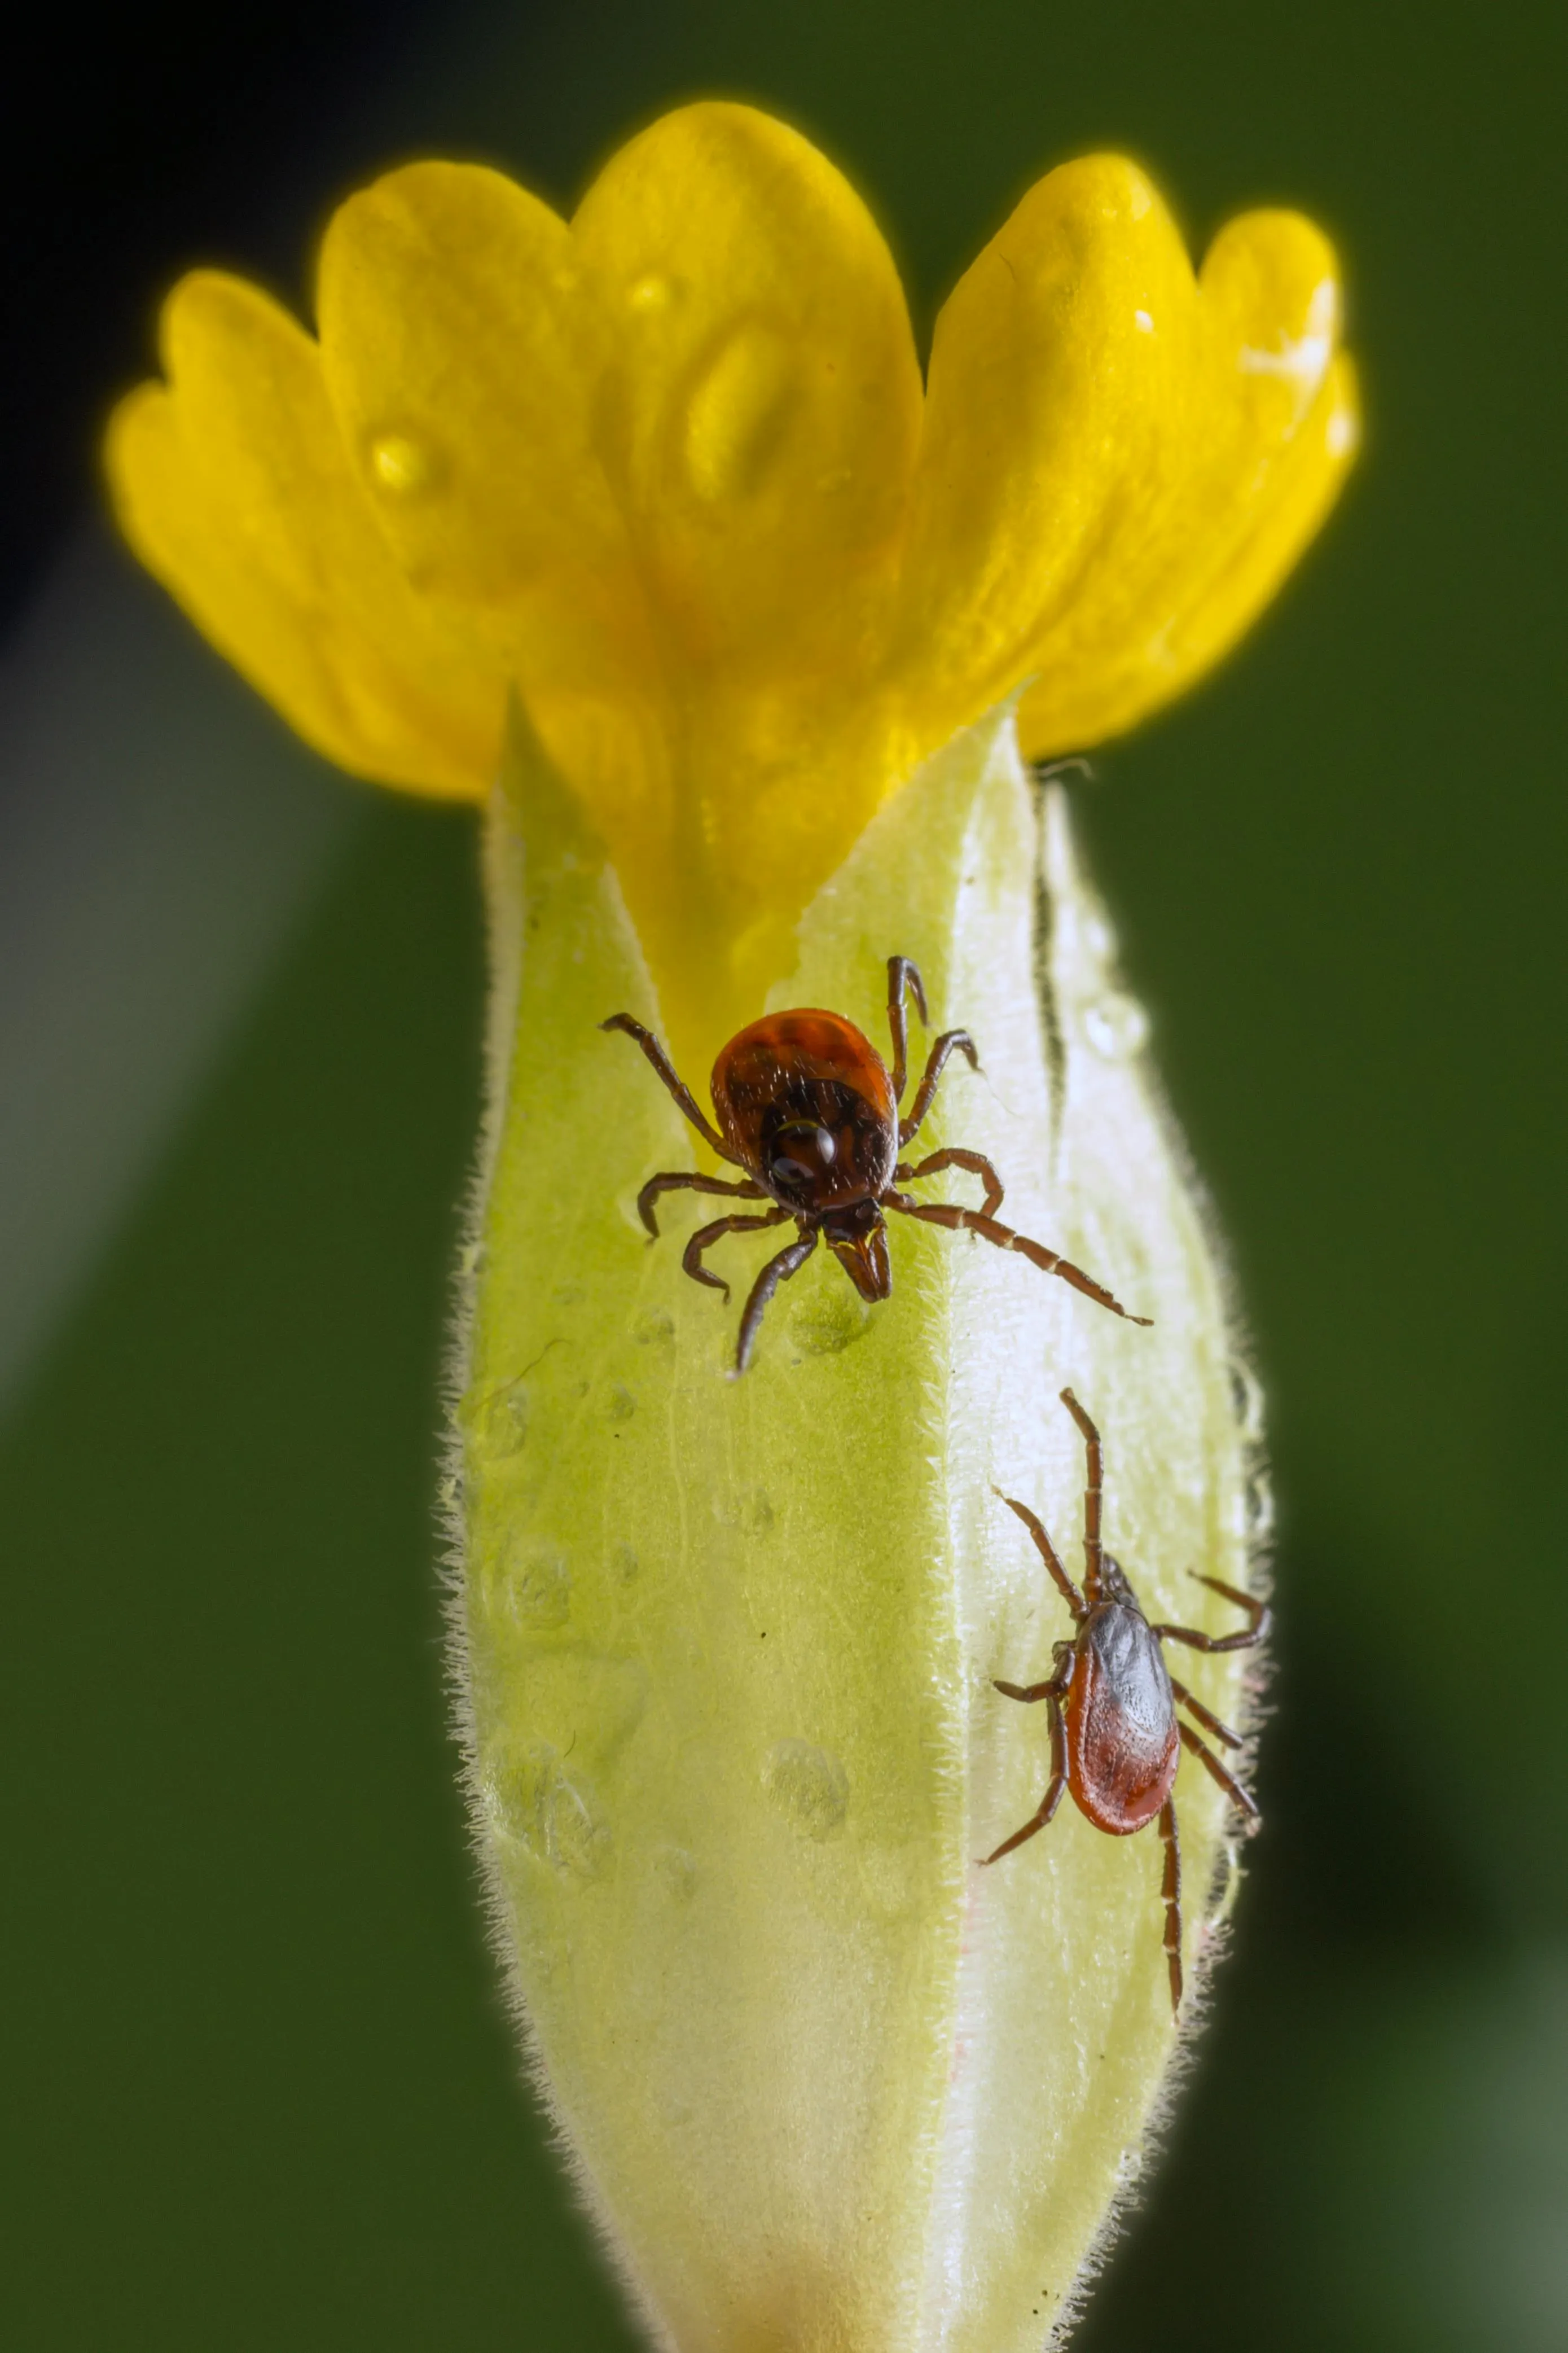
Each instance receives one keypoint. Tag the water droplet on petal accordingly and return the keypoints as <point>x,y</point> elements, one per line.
<point>401,464</point>
<point>651,293</point>
<point>1143,322</point>
<point>808,1786</point>
<point>1341,433</point>
<point>1116,1027</point>
<point>735,424</point>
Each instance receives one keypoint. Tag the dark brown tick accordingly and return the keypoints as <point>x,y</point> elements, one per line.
<point>1116,1737</point>
<point>808,1108</point>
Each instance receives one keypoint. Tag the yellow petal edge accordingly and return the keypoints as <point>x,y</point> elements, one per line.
<point>669,471</point>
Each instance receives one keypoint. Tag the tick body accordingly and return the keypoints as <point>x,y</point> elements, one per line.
<point>809,1113</point>
<point>1117,1734</point>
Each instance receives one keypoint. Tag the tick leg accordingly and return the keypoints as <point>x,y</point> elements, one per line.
<point>1206,1717</point>
<point>951,1041</point>
<point>690,1182</point>
<point>1057,1688</point>
<point>1047,1553</point>
<point>678,1087</point>
<point>1256,1631</point>
<point>706,1236</point>
<point>777,1269</point>
<point>1053,1796</point>
<point>901,975</point>
<point>951,1157</point>
<point>975,1221</point>
<point>1170,1889</point>
<point>1093,1492</point>
<point>1242,1799</point>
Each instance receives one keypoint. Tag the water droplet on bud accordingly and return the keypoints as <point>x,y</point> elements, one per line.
<point>529,1799</point>
<point>808,1786</point>
<point>529,1584</point>
<point>1116,1027</point>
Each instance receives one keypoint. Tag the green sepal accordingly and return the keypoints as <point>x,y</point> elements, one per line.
<point>727,1646</point>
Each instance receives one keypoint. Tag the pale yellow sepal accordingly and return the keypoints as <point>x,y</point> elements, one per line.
<point>727,1645</point>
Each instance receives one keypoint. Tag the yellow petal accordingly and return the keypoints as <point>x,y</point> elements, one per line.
<point>465,358</point>
<point>1119,464</point>
<point>232,487</point>
<point>765,409</point>
<point>464,363</point>
<point>1278,429</point>
<point>1047,414</point>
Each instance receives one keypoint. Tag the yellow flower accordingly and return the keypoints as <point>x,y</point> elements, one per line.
<point>670,470</point>
<point>644,531</point>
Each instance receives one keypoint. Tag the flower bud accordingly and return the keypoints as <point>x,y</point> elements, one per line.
<point>727,1646</point>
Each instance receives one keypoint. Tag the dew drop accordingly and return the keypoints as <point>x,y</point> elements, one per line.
<point>735,424</point>
<point>1143,322</point>
<point>1116,1027</point>
<point>1246,1399</point>
<point>824,1322</point>
<point>750,1509</point>
<point>651,293</point>
<point>529,1799</point>
<point>1341,433</point>
<point>1098,936</point>
<point>808,1786</point>
<point>1259,1506</point>
<point>401,464</point>
<point>678,1872</point>
<point>498,1423</point>
<point>530,1584</point>
<point>585,1704</point>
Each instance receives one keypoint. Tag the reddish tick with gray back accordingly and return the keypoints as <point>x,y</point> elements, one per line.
<point>1116,1737</point>
<point>808,1108</point>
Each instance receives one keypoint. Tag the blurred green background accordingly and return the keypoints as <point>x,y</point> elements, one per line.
<point>259,2086</point>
